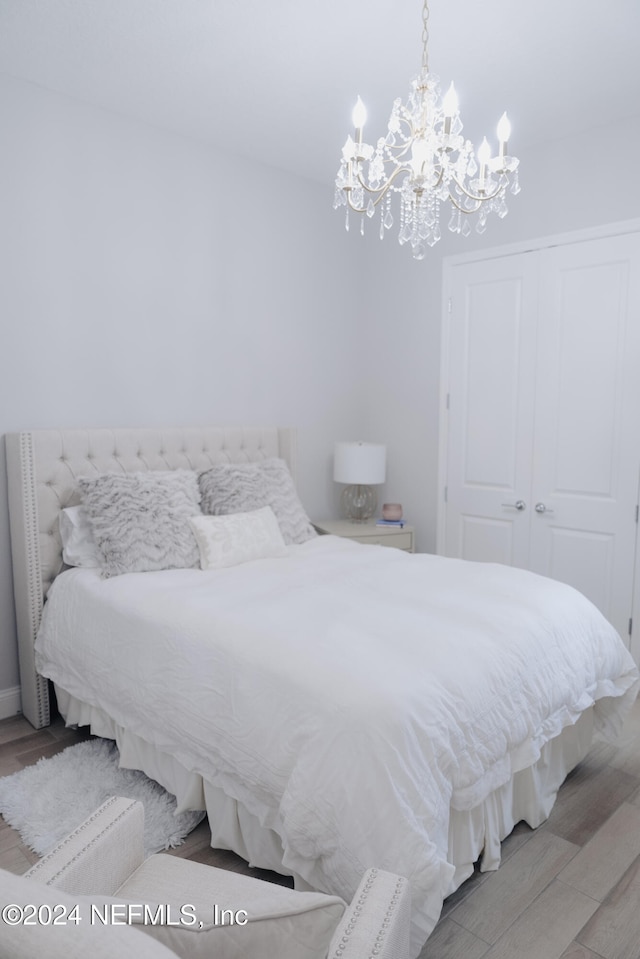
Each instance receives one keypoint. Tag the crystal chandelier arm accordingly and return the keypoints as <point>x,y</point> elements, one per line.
<point>460,209</point>
<point>436,183</point>
<point>362,209</point>
<point>401,148</point>
<point>479,198</point>
<point>377,195</point>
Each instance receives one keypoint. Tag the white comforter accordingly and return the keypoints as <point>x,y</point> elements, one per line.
<point>349,696</point>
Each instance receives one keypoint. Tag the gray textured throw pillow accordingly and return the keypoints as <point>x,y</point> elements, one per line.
<point>242,487</point>
<point>140,521</point>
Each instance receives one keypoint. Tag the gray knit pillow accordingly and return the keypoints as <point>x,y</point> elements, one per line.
<point>140,521</point>
<point>242,487</point>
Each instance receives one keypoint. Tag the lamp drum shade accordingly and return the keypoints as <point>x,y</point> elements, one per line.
<point>359,463</point>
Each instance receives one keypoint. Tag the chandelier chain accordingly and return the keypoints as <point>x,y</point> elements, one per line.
<point>425,36</point>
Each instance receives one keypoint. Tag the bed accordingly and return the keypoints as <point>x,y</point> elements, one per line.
<point>333,706</point>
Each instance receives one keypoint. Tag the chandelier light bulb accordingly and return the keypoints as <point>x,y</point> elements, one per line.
<point>450,102</point>
<point>359,114</point>
<point>504,131</point>
<point>419,157</point>
<point>484,152</point>
<point>484,155</point>
<point>422,163</point>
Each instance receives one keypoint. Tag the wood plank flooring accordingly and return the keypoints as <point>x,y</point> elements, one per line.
<point>568,890</point>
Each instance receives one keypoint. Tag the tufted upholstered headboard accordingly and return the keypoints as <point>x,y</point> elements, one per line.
<point>43,467</point>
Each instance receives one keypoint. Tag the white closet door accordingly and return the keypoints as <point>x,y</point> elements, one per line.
<point>492,344</point>
<point>586,446</point>
<point>544,414</point>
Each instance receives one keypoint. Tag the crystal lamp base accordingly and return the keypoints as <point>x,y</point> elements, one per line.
<point>358,502</point>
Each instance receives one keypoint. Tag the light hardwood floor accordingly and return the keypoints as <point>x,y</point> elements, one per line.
<point>568,890</point>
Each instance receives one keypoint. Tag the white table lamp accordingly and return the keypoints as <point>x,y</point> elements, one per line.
<point>361,466</point>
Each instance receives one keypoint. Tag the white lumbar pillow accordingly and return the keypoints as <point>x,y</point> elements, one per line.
<point>237,538</point>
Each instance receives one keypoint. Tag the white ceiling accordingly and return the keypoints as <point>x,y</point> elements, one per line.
<point>276,79</point>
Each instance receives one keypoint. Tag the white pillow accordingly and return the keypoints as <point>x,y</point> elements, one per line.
<point>78,544</point>
<point>237,538</point>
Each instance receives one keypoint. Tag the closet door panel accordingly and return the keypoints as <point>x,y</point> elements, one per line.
<point>587,445</point>
<point>491,397</point>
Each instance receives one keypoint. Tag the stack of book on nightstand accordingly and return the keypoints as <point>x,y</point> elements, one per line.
<point>391,522</point>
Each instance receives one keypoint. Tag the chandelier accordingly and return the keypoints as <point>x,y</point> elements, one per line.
<point>424,161</point>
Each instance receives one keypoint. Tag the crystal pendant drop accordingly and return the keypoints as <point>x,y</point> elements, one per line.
<point>371,208</point>
<point>346,220</point>
<point>388,219</point>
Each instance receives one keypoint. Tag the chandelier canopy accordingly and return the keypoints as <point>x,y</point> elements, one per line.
<point>425,161</point>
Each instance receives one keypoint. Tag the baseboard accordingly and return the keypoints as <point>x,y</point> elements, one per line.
<point>10,702</point>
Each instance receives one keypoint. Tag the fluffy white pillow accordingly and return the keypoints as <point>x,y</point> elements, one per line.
<point>140,520</point>
<point>78,543</point>
<point>237,538</point>
<point>241,487</point>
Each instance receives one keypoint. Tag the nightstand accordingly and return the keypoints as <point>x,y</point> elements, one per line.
<point>396,536</point>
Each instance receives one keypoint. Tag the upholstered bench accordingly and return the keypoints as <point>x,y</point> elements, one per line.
<point>95,895</point>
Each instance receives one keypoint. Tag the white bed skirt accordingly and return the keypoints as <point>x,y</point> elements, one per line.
<point>473,834</point>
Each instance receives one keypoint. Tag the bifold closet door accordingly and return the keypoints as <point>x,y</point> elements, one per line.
<point>543,451</point>
<point>586,462</point>
<point>491,401</point>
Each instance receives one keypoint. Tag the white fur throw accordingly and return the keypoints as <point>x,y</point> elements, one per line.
<point>242,487</point>
<point>140,521</point>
